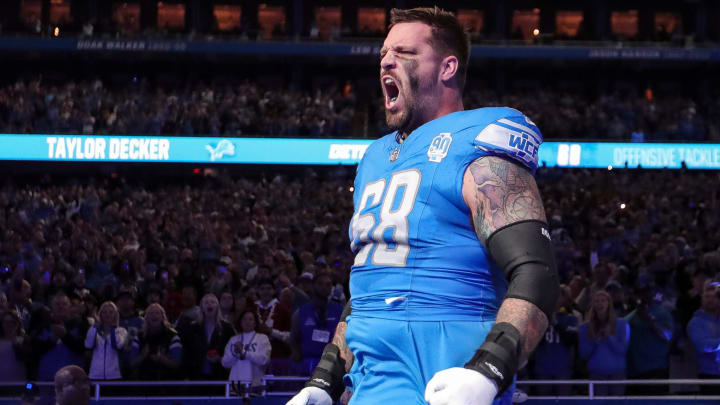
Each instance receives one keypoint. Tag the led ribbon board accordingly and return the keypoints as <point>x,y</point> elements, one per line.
<point>326,151</point>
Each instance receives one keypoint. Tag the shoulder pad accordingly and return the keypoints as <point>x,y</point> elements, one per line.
<point>514,136</point>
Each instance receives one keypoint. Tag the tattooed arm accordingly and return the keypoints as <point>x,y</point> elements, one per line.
<point>500,193</point>
<point>339,341</point>
<point>345,353</point>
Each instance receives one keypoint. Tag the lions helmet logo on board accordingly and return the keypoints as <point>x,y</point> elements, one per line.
<point>223,148</point>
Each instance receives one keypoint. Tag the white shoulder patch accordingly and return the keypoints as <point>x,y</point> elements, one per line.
<point>512,139</point>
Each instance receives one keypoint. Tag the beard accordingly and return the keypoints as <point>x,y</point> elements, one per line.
<point>409,115</point>
<point>400,120</point>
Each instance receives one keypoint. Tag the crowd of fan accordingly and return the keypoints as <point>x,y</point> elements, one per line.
<point>248,109</point>
<point>244,109</point>
<point>614,116</point>
<point>137,280</point>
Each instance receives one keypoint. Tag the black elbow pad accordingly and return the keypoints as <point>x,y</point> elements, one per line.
<point>524,251</point>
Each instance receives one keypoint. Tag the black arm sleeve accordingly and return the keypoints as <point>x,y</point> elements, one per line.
<point>524,251</point>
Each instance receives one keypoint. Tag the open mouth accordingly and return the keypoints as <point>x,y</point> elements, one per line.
<point>391,90</point>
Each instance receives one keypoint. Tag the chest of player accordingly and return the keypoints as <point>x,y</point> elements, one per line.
<point>406,176</point>
<point>408,194</point>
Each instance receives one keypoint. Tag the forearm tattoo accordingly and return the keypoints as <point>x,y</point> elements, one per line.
<point>504,193</point>
<point>529,320</point>
<point>339,341</point>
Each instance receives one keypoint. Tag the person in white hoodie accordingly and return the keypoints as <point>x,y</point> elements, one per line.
<point>248,352</point>
<point>106,338</point>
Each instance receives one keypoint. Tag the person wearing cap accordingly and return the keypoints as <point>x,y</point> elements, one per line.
<point>651,328</point>
<point>704,332</point>
<point>304,290</point>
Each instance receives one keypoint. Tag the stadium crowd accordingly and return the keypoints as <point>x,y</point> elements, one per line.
<point>249,109</point>
<point>244,109</point>
<point>216,277</point>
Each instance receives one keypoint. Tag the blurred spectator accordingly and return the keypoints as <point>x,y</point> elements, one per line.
<point>19,300</point>
<point>129,317</point>
<point>704,332</point>
<point>274,321</point>
<point>600,280</point>
<point>80,312</point>
<point>690,298</point>
<point>191,312</point>
<point>304,290</point>
<point>651,328</point>
<point>227,306</point>
<point>106,338</point>
<point>72,386</point>
<point>57,339</point>
<point>247,353</point>
<point>12,348</point>
<point>159,350</point>
<point>240,303</point>
<point>339,276</point>
<point>619,298</point>
<point>554,356</point>
<point>313,324</point>
<point>603,344</point>
<point>204,341</point>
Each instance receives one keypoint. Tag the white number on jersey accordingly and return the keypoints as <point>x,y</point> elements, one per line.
<point>394,219</point>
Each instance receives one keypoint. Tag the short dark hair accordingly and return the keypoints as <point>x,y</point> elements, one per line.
<point>238,320</point>
<point>449,37</point>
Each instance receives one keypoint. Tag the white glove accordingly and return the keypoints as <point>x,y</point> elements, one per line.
<point>311,396</point>
<point>460,386</point>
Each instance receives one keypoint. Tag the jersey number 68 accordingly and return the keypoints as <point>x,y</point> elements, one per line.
<point>393,218</point>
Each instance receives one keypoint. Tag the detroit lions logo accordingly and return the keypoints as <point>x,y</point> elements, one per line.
<point>439,147</point>
<point>223,148</point>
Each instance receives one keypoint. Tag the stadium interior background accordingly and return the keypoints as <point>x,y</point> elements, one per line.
<point>584,71</point>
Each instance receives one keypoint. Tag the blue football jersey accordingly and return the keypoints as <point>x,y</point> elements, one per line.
<point>417,256</point>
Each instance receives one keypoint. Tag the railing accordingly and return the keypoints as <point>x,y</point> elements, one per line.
<point>246,392</point>
<point>591,384</point>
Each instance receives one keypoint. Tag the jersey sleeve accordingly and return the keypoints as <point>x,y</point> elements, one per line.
<point>512,136</point>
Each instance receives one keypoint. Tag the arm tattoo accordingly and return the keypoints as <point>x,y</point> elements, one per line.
<point>504,193</point>
<point>339,341</point>
<point>529,320</point>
